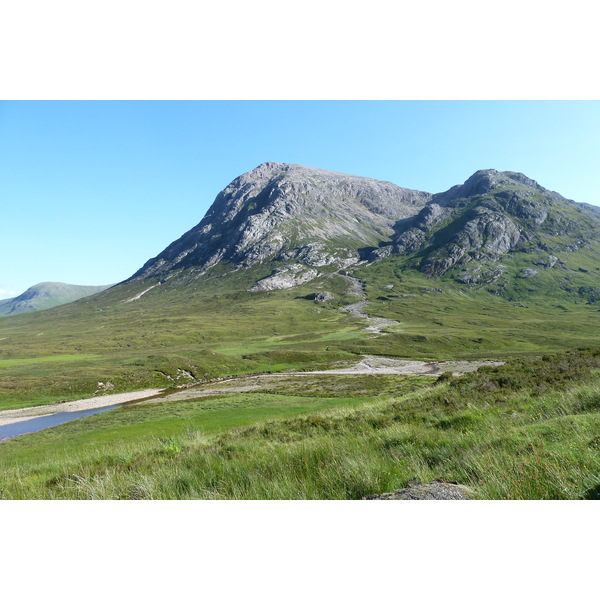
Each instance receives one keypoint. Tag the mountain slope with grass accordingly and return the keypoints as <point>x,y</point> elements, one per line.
<point>288,263</point>
<point>47,295</point>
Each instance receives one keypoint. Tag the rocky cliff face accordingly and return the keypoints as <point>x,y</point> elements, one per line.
<point>303,219</point>
<point>297,223</point>
<point>491,214</point>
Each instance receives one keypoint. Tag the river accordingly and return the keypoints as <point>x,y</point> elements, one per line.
<point>39,423</point>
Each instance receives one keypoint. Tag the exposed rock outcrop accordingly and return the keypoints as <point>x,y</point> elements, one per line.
<point>437,490</point>
<point>293,214</point>
<point>284,279</point>
<point>528,273</point>
<point>321,296</point>
<point>493,213</point>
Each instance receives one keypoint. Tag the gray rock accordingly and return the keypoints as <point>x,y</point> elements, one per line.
<point>437,490</point>
<point>528,273</point>
<point>284,279</point>
<point>547,262</point>
<point>410,240</point>
<point>321,296</point>
<point>289,213</point>
<point>380,253</point>
<point>480,275</point>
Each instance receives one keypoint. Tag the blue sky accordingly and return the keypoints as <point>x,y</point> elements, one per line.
<point>91,190</point>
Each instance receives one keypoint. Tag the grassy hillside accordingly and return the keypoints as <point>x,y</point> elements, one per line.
<point>47,295</point>
<point>528,430</point>
<point>518,273</point>
<point>209,330</point>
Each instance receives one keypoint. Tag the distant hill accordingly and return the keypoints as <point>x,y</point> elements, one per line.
<point>46,295</point>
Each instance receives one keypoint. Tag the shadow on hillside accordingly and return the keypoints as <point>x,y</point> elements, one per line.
<point>592,493</point>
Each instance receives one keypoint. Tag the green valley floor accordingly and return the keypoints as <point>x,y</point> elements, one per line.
<point>528,429</point>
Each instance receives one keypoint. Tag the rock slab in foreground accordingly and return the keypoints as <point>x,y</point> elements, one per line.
<point>437,490</point>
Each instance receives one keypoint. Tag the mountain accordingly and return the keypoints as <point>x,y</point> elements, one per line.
<point>498,227</point>
<point>289,224</point>
<point>299,268</point>
<point>46,295</point>
<point>301,221</point>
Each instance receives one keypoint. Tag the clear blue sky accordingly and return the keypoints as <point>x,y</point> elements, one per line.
<point>91,190</point>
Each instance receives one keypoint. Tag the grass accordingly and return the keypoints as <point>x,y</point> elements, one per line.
<point>136,346</point>
<point>6,363</point>
<point>212,331</point>
<point>528,430</point>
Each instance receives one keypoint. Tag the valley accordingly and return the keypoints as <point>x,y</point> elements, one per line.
<point>528,429</point>
<point>321,335</point>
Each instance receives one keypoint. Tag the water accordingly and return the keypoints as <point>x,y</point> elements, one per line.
<point>39,423</point>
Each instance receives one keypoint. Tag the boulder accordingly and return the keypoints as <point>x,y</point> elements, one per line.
<point>437,490</point>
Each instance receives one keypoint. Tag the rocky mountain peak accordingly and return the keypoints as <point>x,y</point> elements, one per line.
<point>290,214</point>
<point>491,214</point>
<point>286,224</point>
<point>487,181</point>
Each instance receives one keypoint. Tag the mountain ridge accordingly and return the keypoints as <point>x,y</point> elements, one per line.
<point>289,213</point>
<point>47,294</point>
<point>492,216</point>
<point>290,224</point>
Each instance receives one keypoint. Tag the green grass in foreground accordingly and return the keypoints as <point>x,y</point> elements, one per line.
<point>528,430</point>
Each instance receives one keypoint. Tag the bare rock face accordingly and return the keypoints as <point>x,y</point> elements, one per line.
<point>289,213</point>
<point>493,213</point>
<point>487,232</point>
<point>298,223</point>
<point>284,279</point>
